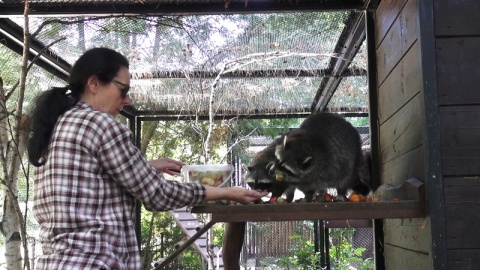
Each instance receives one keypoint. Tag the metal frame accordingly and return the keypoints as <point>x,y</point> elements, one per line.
<point>11,35</point>
<point>72,8</point>
<point>347,47</point>
<point>374,134</point>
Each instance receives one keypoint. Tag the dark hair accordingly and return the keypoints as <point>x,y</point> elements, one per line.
<point>49,105</point>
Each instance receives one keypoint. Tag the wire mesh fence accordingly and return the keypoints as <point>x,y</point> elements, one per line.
<point>295,245</point>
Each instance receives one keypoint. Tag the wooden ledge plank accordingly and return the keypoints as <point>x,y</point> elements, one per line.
<point>313,211</point>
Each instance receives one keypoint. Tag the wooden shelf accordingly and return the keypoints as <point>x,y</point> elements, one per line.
<point>404,201</point>
<point>313,211</point>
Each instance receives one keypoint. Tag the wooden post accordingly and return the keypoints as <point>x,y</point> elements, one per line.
<point>232,244</point>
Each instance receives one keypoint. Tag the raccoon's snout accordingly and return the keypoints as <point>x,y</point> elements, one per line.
<point>263,184</point>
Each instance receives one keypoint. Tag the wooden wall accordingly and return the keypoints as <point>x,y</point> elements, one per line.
<point>402,146</point>
<point>457,47</point>
<point>406,106</point>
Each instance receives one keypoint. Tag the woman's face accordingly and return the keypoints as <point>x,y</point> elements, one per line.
<point>111,97</point>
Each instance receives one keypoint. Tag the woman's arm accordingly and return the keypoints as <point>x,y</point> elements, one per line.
<point>237,194</point>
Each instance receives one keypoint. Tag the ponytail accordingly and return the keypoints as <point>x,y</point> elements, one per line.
<point>49,106</point>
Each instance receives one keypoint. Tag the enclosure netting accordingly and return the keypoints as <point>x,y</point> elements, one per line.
<point>250,63</point>
<point>291,245</point>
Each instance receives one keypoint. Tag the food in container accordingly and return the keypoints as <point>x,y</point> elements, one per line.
<point>216,175</point>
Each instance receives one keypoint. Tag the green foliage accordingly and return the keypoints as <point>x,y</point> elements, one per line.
<point>189,260</point>
<point>342,253</point>
<point>343,256</point>
<point>160,234</point>
<point>270,128</point>
<point>303,255</point>
<point>359,121</point>
<point>218,231</point>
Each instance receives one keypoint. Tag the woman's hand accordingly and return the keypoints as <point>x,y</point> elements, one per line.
<point>237,194</point>
<point>167,165</point>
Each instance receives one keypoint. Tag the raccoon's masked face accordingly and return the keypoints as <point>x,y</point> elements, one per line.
<point>261,177</point>
<point>291,158</point>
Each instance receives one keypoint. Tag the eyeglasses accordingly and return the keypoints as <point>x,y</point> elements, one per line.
<point>124,90</point>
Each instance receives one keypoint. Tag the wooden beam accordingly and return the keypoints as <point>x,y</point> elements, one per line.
<point>350,72</point>
<point>11,35</point>
<point>152,8</point>
<point>257,114</point>
<point>313,211</point>
<point>347,47</point>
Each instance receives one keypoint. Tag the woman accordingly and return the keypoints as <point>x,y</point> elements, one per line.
<point>89,173</point>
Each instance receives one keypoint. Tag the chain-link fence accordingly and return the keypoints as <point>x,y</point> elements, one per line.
<point>298,245</point>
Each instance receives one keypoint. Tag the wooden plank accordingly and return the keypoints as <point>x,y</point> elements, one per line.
<point>403,132</point>
<point>433,169</point>
<point>462,208</point>
<point>457,162</point>
<point>349,223</point>
<point>462,219</point>
<point>409,21</point>
<point>461,181</point>
<point>399,38</point>
<point>411,164</point>
<point>312,211</point>
<point>411,234</point>
<point>458,69</point>
<point>389,52</point>
<point>401,85</point>
<point>402,259</point>
<point>460,130</point>
<point>456,18</point>
<point>464,259</point>
<point>386,13</point>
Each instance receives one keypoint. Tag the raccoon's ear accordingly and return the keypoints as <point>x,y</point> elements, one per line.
<point>306,162</point>
<point>285,141</point>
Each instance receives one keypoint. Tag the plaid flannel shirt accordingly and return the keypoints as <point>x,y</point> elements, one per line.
<point>84,198</point>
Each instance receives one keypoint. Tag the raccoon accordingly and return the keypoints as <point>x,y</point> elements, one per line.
<point>364,174</point>
<point>261,176</point>
<point>324,152</point>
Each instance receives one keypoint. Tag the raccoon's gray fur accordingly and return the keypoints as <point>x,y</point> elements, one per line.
<point>364,174</point>
<point>324,152</point>
<point>261,176</point>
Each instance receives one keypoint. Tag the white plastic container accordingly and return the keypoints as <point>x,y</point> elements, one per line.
<point>217,175</point>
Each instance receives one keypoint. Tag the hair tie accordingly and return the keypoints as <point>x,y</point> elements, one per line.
<point>68,89</point>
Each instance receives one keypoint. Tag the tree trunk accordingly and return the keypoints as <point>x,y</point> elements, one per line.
<point>148,135</point>
<point>13,144</point>
<point>9,225</point>
<point>11,233</point>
